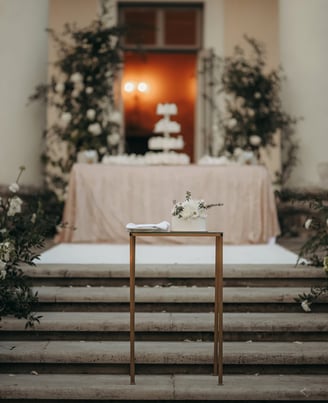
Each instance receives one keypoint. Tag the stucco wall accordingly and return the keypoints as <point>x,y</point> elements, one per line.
<point>303,44</point>
<point>23,44</point>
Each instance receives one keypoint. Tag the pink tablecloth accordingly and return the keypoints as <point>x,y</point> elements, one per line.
<point>102,199</point>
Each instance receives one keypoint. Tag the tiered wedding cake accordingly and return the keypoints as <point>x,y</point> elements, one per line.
<point>166,143</point>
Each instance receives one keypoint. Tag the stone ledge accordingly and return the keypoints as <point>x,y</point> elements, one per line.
<point>170,322</point>
<point>159,353</point>
<point>156,387</point>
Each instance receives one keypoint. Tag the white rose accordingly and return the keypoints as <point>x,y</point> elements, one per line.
<point>250,112</point>
<point>308,223</point>
<point>60,88</point>
<point>255,140</point>
<point>113,139</point>
<point>75,93</point>
<point>89,90</point>
<point>14,187</point>
<point>15,206</point>
<point>306,306</point>
<point>76,77</point>
<point>6,248</point>
<point>237,151</point>
<point>94,129</point>
<point>115,117</point>
<point>187,211</point>
<point>232,123</point>
<point>91,113</point>
<point>66,117</point>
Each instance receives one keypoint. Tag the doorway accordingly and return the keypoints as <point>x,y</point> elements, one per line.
<point>152,78</point>
<point>160,66</point>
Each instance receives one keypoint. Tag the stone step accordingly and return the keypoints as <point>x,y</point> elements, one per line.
<point>161,326</point>
<point>172,294</point>
<point>196,388</point>
<point>234,275</point>
<point>162,357</point>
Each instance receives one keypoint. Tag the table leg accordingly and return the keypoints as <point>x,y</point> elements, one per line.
<point>218,310</point>
<point>132,307</point>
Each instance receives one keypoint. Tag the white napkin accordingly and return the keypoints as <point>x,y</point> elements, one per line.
<point>162,226</point>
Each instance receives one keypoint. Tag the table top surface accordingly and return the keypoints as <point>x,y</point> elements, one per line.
<point>140,232</point>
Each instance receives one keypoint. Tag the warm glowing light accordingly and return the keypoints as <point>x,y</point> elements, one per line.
<point>129,86</point>
<point>142,86</point>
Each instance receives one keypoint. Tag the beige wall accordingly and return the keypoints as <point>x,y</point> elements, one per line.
<point>23,44</point>
<point>303,37</point>
<point>256,18</point>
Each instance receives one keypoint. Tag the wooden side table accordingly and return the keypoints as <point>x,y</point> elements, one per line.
<point>218,300</point>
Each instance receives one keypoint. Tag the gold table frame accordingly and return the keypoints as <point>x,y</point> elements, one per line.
<point>218,300</point>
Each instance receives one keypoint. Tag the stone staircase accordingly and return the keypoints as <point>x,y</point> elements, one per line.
<point>80,350</point>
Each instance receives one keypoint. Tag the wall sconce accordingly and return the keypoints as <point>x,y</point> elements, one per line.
<point>129,86</point>
<point>141,86</point>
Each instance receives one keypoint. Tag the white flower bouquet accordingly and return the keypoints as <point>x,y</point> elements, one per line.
<point>190,214</point>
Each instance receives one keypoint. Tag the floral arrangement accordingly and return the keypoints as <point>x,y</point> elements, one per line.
<point>23,229</point>
<point>81,92</point>
<point>253,107</point>
<point>191,208</point>
<point>247,107</point>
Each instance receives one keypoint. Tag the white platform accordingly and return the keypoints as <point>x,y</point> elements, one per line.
<point>111,253</point>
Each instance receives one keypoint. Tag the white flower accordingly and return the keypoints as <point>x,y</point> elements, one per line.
<point>113,139</point>
<point>33,218</point>
<point>237,152</point>
<point>255,140</point>
<point>250,112</point>
<point>6,249</point>
<point>89,90</point>
<point>232,123</point>
<point>257,95</point>
<point>187,211</point>
<point>3,274</point>
<point>76,77</point>
<point>60,88</point>
<point>115,117</point>
<point>15,206</point>
<point>14,187</point>
<point>91,113</point>
<point>94,129</point>
<point>75,93</point>
<point>308,223</point>
<point>66,117</point>
<point>306,306</point>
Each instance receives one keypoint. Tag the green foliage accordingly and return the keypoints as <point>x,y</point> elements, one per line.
<point>81,92</point>
<point>253,108</point>
<point>316,246</point>
<point>315,249</point>
<point>23,228</point>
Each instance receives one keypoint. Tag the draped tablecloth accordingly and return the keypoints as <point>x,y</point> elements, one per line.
<point>102,199</point>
